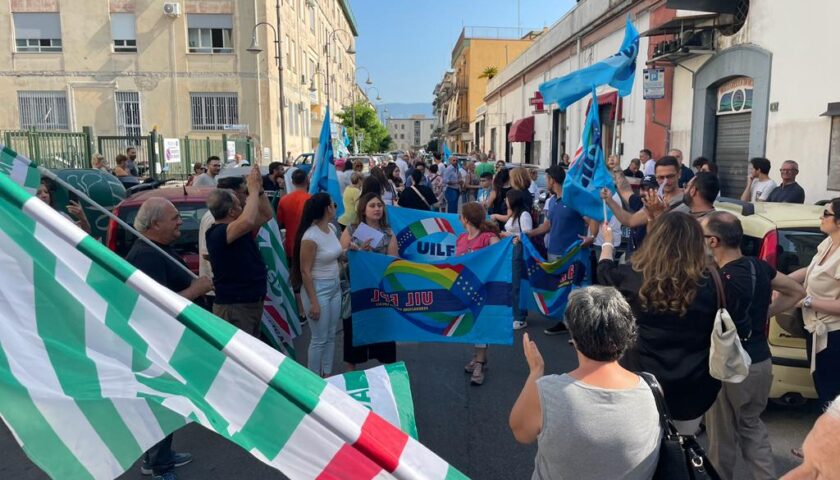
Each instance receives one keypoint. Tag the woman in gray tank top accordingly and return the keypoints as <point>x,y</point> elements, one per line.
<point>598,421</point>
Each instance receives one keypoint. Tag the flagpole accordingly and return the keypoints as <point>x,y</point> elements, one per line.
<point>52,176</point>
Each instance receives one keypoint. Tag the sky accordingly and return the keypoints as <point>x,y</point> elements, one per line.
<point>407,44</point>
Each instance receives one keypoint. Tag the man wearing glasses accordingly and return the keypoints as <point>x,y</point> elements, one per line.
<point>789,191</point>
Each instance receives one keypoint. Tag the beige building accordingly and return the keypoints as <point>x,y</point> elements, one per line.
<point>411,133</point>
<point>125,67</point>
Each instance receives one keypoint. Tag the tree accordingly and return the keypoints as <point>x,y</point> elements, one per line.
<point>489,73</point>
<point>372,135</point>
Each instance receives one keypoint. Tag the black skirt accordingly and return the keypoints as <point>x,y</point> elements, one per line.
<point>385,352</point>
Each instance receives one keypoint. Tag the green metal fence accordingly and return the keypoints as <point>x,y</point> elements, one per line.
<point>52,149</point>
<point>74,149</point>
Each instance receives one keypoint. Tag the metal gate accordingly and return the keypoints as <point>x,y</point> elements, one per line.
<point>732,145</point>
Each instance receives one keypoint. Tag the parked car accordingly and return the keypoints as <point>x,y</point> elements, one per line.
<point>367,162</point>
<point>304,161</point>
<point>191,202</point>
<point>786,236</point>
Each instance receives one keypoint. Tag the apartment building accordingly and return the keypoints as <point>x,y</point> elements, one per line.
<point>411,133</point>
<point>124,67</point>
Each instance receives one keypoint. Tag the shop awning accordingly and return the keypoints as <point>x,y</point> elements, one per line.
<point>833,110</point>
<point>717,6</point>
<point>522,130</point>
<point>681,24</point>
<point>611,99</point>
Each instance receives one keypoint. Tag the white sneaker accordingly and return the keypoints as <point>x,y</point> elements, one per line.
<point>519,324</point>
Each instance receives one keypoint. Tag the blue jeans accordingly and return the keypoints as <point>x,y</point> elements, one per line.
<point>516,279</point>
<point>452,195</point>
<point>325,329</point>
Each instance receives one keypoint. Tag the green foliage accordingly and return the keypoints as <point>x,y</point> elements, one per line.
<point>372,135</point>
<point>489,73</point>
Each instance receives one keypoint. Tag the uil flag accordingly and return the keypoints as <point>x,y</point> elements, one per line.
<point>446,153</point>
<point>280,323</point>
<point>546,285</point>
<point>98,363</point>
<point>424,236</point>
<point>618,71</point>
<point>20,169</point>
<point>324,177</point>
<point>588,172</point>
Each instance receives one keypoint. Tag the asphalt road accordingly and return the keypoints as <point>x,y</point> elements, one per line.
<point>464,424</point>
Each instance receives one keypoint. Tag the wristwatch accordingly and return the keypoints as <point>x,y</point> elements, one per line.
<point>807,302</point>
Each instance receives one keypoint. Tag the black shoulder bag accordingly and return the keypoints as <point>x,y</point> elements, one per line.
<point>680,456</point>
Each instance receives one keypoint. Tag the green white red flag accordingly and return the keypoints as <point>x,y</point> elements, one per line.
<point>98,363</point>
<point>280,323</point>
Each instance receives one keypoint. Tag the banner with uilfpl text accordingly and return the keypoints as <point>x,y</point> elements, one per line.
<point>546,286</point>
<point>465,299</point>
<point>424,236</point>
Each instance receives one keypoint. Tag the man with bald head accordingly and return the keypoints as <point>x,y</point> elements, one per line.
<point>159,221</point>
<point>733,422</point>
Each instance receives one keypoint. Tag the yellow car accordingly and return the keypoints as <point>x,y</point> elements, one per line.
<point>786,236</point>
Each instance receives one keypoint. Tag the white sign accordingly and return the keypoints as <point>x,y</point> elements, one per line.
<point>266,155</point>
<point>654,83</point>
<point>236,126</point>
<point>231,150</point>
<point>172,150</point>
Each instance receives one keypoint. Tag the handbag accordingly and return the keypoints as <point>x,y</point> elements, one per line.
<point>680,456</point>
<point>421,197</point>
<point>728,361</point>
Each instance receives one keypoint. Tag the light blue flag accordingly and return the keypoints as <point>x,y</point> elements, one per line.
<point>588,172</point>
<point>345,137</point>
<point>466,299</point>
<point>424,236</point>
<point>324,177</point>
<point>617,71</point>
<point>446,153</point>
<point>546,286</point>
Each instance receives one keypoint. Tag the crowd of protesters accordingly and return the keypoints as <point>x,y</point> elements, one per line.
<point>652,312</point>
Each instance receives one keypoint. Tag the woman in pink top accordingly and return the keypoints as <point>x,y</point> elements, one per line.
<point>480,233</point>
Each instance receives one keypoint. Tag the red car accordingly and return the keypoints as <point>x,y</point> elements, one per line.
<point>190,201</point>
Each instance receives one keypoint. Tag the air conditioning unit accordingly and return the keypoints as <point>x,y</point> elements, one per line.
<point>172,9</point>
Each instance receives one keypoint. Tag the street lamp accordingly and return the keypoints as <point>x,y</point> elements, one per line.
<point>331,37</point>
<point>278,59</point>
<point>367,82</point>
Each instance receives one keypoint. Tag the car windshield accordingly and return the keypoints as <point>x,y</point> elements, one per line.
<point>541,180</point>
<point>191,214</point>
<point>797,247</point>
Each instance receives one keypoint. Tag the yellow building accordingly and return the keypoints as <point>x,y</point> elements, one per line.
<point>462,91</point>
<point>124,67</point>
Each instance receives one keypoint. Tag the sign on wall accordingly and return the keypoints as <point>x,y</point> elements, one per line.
<point>735,96</point>
<point>654,84</point>
<point>172,150</point>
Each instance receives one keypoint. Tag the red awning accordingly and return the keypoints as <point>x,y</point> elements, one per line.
<point>522,130</point>
<point>610,99</point>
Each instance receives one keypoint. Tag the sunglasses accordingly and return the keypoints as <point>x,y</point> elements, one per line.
<point>826,213</point>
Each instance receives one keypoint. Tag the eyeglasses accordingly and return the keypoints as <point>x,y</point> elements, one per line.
<point>826,213</point>
<point>666,177</point>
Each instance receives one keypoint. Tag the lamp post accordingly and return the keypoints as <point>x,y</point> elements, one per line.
<point>367,82</point>
<point>350,51</point>
<point>278,59</point>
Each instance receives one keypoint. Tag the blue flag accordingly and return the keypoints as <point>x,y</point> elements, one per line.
<point>588,172</point>
<point>345,137</point>
<point>446,153</point>
<point>324,177</point>
<point>465,299</point>
<point>546,286</point>
<point>424,236</point>
<point>617,71</point>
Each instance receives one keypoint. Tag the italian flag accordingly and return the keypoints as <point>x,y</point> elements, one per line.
<point>98,363</point>
<point>428,226</point>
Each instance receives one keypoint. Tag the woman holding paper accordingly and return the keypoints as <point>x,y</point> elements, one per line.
<point>370,233</point>
<point>480,233</point>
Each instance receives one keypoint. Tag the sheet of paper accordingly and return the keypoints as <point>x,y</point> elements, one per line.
<point>364,233</point>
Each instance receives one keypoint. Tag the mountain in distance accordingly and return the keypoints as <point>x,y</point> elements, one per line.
<point>406,110</point>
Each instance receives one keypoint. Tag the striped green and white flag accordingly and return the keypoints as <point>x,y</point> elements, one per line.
<point>385,390</point>
<point>21,170</point>
<point>280,322</point>
<point>98,363</point>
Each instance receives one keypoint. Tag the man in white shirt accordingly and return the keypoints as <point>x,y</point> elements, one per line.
<point>402,165</point>
<point>648,163</point>
<point>208,179</point>
<point>759,184</point>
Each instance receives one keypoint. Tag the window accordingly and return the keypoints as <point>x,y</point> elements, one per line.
<point>43,110</point>
<point>123,32</point>
<point>37,32</point>
<point>128,113</point>
<point>312,19</point>
<point>288,50</point>
<point>294,55</point>
<point>834,155</point>
<point>210,33</point>
<point>212,111</point>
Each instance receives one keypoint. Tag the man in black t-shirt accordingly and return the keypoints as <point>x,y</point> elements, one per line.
<point>239,274</point>
<point>417,195</point>
<point>160,222</point>
<point>734,420</point>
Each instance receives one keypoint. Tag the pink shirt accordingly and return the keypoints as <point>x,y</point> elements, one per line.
<point>464,245</point>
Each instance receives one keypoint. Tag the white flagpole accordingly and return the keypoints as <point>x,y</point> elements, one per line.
<point>52,176</point>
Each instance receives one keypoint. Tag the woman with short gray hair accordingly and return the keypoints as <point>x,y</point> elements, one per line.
<point>599,420</point>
